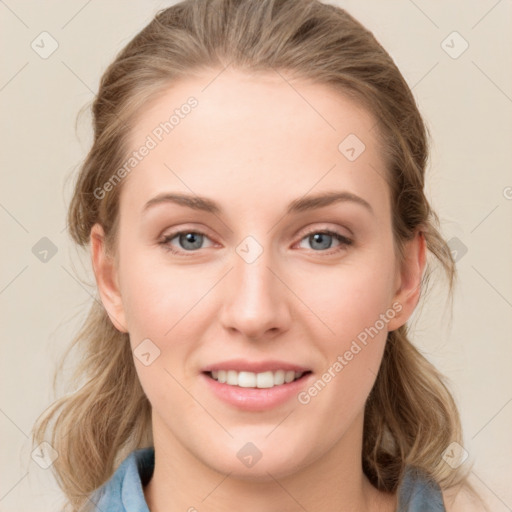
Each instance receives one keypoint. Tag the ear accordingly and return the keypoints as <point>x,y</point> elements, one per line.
<point>106,278</point>
<point>408,282</point>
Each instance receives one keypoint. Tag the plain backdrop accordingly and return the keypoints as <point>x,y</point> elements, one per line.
<point>463,84</point>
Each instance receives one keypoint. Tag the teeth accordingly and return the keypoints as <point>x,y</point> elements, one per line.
<point>255,380</point>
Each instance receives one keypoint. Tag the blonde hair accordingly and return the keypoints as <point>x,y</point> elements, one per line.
<point>410,416</point>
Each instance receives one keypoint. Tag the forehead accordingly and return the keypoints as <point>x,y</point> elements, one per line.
<point>231,130</point>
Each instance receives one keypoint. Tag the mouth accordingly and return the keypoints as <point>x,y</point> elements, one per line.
<point>256,386</point>
<point>262,380</point>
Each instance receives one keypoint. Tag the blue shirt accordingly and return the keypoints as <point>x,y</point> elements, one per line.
<point>123,492</point>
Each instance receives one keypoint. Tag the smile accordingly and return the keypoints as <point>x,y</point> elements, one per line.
<point>245,379</point>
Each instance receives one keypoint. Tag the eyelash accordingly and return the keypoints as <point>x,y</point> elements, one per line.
<point>344,241</point>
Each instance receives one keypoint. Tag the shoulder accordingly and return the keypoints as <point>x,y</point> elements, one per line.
<point>418,489</point>
<point>125,486</point>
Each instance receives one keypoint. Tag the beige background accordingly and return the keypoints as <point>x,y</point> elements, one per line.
<point>467,103</point>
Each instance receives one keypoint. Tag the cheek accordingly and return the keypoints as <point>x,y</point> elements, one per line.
<point>165,305</point>
<point>350,298</point>
<point>352,357</point>
<point>354,303</point>
<point>156,296</point>
<point>161,305</point>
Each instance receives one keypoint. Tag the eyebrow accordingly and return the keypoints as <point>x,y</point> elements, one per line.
<point>302,204</point>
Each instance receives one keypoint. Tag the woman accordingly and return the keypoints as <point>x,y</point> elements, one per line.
<point>258,230</point>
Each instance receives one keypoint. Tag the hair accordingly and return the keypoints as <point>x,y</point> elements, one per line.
<point>410,415</point>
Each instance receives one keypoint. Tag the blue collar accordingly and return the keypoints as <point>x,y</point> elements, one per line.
<point>124,491</point>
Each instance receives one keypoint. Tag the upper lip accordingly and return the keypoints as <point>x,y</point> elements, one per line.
<point>242,365</point>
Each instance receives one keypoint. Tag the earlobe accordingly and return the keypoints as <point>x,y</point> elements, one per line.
<point>106,278</point>
<point>409,285</point>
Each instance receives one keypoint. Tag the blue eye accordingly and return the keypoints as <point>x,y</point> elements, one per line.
<point>191,241</point>
<point>324,240</point>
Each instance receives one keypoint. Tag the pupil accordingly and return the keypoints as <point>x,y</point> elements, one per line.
<point>318,237</point>
<point>193,239</point>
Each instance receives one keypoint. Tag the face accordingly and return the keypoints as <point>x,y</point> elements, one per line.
<point>285,268</point>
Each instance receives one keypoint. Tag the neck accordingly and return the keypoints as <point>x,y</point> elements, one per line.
<point>335,481</point>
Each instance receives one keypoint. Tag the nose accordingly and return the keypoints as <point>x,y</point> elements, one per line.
<point>256,300</point>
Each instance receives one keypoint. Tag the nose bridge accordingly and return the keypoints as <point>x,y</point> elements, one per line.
<point>255,302</point>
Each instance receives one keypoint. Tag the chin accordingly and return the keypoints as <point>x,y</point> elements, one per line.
<point>258,461</point>
<point>262,471</point>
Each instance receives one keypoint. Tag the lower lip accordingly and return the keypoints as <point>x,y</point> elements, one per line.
<point>256,399</point>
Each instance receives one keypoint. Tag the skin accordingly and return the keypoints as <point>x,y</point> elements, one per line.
<point>254,144</point>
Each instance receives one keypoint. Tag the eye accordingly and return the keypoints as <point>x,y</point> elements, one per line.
<point>323,240</point>
<point>189,240</point>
